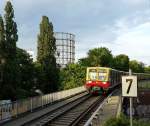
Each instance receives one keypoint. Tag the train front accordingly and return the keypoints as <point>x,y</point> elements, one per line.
<point>97,80</point>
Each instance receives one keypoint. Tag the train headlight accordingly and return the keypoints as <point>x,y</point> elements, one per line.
<point>104,82</point>
<point>89,81</point>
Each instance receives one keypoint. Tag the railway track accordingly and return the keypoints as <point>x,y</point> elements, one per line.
<point>62,108</point>
<point>78,115</point>
<point>70,114</point>
<point>38,114</point>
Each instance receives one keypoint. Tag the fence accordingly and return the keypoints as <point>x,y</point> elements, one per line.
<point>11,110</point>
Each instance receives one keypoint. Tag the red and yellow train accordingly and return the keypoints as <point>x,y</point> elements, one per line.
<point>99,80</point>
<point>102,79</point>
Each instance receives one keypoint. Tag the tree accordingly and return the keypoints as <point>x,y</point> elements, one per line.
<point>26,74</point>
<point>100,57</point>
<point>121,62</point>
<point>97,57</point>
<point>39,76</point>
<point>10,31</point>
<point>2,42</point>
<point>46,55</point>
<point>84,62</point>
<point>137,67</point>
<point>147,69</point>
<point>9,83</point>
<point>72,76</point>
<point>46,41</point>
<point>2,38</point>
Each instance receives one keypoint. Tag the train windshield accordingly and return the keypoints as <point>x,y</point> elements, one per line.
<point>92,74</point>
<point>102,74</point>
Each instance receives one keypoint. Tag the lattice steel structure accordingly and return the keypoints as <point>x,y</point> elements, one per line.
<point>65,44</point>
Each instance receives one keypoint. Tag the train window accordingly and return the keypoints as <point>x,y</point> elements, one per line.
<point>102,77</point>
<point>102,74</point>
<point>92,74</point>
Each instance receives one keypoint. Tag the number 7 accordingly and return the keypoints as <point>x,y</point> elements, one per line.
<point>130,82</point>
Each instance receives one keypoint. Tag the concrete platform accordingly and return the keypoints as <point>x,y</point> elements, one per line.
<point>110,109</point>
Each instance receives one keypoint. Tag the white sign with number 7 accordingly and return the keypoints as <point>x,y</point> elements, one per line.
<point>129,86</point>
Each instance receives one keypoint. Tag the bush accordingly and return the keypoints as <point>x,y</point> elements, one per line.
<point>120,121</point>
<point>124,121</point>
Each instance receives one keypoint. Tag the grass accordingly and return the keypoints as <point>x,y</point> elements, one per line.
<point>144,85</point>
<point>122,120</point>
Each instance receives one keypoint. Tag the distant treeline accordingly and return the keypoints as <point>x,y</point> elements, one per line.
<point>74,74</point>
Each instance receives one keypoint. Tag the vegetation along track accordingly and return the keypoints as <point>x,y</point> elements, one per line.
<point>70,114</point>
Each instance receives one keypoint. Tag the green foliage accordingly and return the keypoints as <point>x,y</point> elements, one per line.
<point>84,62</point>
<point>72,76</point>
<point>25,73</point>
<point>100,57</point>
<point>141,123</point>
<point>8,39</point>
<point>120,121</point>
<point>124,121</point>
<point>10,31</point>
<point>46,56</point>
<point>97,57</point>
<point>39,76</point>
<point>147,69</point>
<point>136,66</point>
<point>46,41</point>
<point>17,67</point>
<point>2,42</point>
<point>121,62</point>
<point>2,38</point>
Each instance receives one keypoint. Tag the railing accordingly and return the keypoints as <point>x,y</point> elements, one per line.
<point>11,110</point>
<point>144,84</point>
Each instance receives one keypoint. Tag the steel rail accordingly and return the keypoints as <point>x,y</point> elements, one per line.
<point>49,116</point>
<point>87,112</point>
<point>28,118</point>
<point>88,123</point>
<point>72,117</point>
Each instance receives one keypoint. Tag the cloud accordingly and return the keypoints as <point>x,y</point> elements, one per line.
<point>95,23</point>
<point>135,43</point>
<point>135,2</point>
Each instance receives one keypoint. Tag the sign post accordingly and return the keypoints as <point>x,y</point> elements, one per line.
<point>131,103</point>
<point>129,89</point>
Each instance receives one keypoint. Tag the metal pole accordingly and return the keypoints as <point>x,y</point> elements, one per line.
<point>131,123</point>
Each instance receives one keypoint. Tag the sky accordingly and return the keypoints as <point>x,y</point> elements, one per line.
<point>123,26</point>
